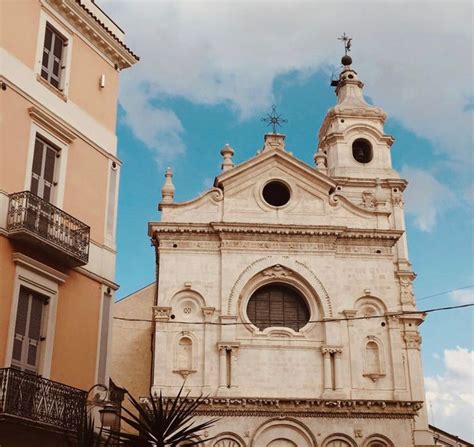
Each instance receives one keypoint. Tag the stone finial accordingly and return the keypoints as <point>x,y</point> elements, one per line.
<point>167,192</point>
<point>227,152</point>
<point>274,141</point>
<point>320,159</point>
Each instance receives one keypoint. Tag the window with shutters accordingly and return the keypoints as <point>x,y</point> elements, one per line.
<point>44,168</point>
<point>28,330</point>
<point>278,305</point>
<point>52,62</point>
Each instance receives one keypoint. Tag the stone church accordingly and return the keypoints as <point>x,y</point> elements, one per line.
<point>284,293</point>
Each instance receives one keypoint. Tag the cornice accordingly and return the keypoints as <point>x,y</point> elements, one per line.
<point>268,407</point>
<point>371,183</point>
<point>85,20</point>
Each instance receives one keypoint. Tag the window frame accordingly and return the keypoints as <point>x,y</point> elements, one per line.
<point>57,194</point>
<point>47,19</point>
<point>44,280</point>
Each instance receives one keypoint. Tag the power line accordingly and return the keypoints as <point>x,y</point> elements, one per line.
<point>236,323</point>
<point>444,293</point>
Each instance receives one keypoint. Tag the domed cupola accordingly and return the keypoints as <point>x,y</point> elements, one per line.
<point>352,134</point>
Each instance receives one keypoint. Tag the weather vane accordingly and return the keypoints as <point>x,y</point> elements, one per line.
<point>347,43</point>
<point>274,119</point>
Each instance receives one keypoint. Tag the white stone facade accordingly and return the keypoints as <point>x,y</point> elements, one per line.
<point>352,375</point>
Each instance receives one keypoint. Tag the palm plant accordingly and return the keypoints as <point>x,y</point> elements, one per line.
<point>164,422</point>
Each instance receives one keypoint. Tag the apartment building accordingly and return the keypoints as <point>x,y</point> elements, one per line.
<point>60,62</point>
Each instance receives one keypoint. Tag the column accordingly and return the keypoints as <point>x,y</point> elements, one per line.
<point>327,379</point>
<point>400,391</point>
<point>337,369</point>
<point>207,314</point>
<point>162,354</point>
<point>222,366</point>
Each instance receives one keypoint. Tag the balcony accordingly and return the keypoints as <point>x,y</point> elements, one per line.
<point>32,219</point>
<point>31,399</point>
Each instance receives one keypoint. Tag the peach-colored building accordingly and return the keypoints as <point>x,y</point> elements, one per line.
<point>59,71</point>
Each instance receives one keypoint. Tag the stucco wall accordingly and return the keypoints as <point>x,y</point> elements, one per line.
<point>132,343</point>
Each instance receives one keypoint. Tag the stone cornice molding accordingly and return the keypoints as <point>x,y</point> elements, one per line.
<point>389,237</point>
<point>371,183</point>
<point>48,121</point>
<point>85,20</point>
<point>268,407</point>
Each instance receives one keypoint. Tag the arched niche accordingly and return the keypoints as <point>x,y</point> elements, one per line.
<point>370,306</point>
<point>245,282</point>
<point>185,353</point>
<point>187,305</point>
<point>283,433</point>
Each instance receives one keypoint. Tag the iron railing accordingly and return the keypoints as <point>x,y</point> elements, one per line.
<point>36,399</point>
<point>34,215</point>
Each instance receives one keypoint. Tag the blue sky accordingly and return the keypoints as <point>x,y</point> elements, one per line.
<point>208,74</point>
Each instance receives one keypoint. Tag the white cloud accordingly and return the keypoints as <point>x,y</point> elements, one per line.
<point>425,198</point>
<point>451,395</point>
<point>463,296</point>
<point>415,58</point>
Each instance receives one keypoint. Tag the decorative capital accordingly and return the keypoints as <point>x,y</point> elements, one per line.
<point>208,312</point>
<point>161,313</point>
<point>227,152</point>
<point>331,349</point>
<point>228,346</point>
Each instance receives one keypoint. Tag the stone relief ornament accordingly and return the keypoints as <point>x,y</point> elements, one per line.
<point>406,291</point>
<point>368,199</point>
<point>412,340</point>
<point>277,271</point>
<point>397,197</point>
<point>161,313</point>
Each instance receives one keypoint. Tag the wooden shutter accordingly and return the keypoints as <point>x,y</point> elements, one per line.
<point>28,326</point>
<point>51,63</point>
<point>43,169</point>
<point>277,305</point>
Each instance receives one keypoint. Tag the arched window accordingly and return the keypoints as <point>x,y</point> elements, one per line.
<point>372,356</point>
<point>227,442</point>
<point>278,305</point>
<point>185,354</point>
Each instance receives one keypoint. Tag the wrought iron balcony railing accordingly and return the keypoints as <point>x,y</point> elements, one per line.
<point>31,397</point>
<point>37,219</point>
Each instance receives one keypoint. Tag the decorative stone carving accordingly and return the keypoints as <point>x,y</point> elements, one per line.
<point>277,271</point>
<point>161,313</point>
<point>368,200</point>
<point>331,349</point>
<point>306,408</point>
<point>412,340</point>
<point>406,291</point>
<point>397,197</point>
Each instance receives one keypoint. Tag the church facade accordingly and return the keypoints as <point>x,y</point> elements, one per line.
<point>284,293</point>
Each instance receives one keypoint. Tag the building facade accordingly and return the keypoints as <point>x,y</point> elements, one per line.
<point>284,293</point>
<point>59,173</point>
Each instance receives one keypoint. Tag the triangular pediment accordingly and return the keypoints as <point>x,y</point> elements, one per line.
<point>238,196</point>
<point>270,158</point>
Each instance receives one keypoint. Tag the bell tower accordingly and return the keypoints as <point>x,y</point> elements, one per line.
<point>352,142</point>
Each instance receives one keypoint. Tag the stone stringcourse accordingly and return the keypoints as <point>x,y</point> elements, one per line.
<point>386,409</point>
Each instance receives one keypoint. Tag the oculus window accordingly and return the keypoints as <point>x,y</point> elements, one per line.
<point>276,193</point>
<point>278,305</point>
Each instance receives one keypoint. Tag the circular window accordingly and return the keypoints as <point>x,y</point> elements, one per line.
<point>278,305</point>
<point>276,193</point>
<point>362,150</point>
